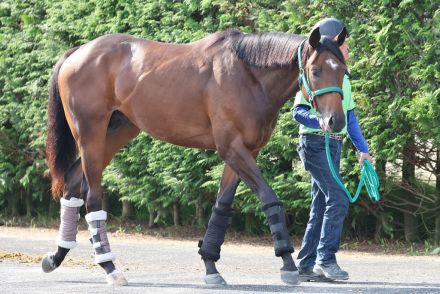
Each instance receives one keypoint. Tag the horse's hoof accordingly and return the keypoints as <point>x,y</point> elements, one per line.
<point>214,279</point>
<point>116,278</point>
<point>47,263</point>
<point>290,277</point>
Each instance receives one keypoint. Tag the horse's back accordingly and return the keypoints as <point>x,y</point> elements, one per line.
<point>110,53</point>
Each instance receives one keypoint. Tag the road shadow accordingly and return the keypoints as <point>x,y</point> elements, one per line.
<point>333,287</point>
<point>433,285</point>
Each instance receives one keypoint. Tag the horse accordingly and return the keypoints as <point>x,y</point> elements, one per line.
<point>222,92</point>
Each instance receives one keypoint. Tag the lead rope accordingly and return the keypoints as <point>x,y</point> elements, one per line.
<point>368,177</point>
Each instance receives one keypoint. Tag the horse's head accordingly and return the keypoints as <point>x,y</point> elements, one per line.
<point>322,70</point>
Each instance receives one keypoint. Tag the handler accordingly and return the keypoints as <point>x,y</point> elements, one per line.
<point>317,259</point>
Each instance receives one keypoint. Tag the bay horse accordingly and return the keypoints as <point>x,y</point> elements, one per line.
<point>222,93</point>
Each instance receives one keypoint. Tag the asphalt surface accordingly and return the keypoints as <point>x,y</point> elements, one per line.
<point>153,265</point>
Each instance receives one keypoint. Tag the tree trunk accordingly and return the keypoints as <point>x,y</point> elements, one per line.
<point>381,168</point>
<point>408,179</point>
<point>380,220</point>
<point>437,229</point>
<point>28,203</point>
<point>127,210</point>
<point>151,218</point>
<point>176,213</point>
<point>12,204</point>
<point>249,223</point>
<point>105,205</point>
<point>381,172</point>
<point>410,227</point>
<point>200,211</point>
<point>437,190</point>
<point>53,208</point>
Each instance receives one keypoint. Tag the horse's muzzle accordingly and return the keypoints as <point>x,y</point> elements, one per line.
<point>334,123</point>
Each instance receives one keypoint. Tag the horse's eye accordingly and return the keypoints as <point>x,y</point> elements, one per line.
<point>315,72</point>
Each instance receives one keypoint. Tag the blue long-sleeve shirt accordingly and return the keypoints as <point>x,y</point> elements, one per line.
<point>302,115</point>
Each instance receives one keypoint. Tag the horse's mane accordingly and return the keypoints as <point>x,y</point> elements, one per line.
<point>265,50</point>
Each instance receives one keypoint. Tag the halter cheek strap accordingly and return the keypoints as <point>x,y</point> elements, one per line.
<point>302,80</point>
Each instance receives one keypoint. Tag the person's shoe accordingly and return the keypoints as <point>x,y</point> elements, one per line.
<point>307,275</point>
<point>331,271</point>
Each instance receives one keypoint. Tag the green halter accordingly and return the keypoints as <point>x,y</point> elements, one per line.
<point>369,177</point>
<point>302,79</point>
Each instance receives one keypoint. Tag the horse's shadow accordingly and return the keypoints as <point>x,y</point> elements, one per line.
<point>314,287</point>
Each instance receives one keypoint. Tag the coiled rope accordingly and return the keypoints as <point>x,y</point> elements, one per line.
<point>368,177</point>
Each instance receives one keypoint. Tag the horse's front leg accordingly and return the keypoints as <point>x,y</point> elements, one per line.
<point>240,158</point>
<point>219,222</point>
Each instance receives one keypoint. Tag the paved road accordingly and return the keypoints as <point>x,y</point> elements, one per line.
<point>154,265</point>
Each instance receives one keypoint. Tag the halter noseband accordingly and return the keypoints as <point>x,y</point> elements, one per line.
<point>302,79</point>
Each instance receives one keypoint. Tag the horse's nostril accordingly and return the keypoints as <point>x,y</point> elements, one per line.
<point>330,121</point>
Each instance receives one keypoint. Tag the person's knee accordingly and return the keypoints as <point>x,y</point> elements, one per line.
<point>338,206</point>
<point>316,215</point>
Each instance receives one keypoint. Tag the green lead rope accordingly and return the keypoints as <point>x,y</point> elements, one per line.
<point>368,176</point>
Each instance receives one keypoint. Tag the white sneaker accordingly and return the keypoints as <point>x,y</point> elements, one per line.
<point>331,271</point>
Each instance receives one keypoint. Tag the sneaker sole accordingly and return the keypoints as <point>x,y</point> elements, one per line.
<point>331,278</point>
<point>314,279</point>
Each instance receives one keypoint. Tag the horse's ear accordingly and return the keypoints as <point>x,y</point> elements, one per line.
<point>314,38</point>
<point>340,39</point>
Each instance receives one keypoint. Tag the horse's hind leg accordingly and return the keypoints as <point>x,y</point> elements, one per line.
<point>92,149</point>
<point>237,155</point>
<point>120,131</point>
<point>95,156</point>
<point>70,205</point>
<point>219,221</point>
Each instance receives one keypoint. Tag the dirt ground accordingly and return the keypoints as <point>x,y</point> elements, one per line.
<point>156,264</point>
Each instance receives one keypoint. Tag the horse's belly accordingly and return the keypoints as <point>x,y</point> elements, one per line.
<point>173,123</point>
<point>182,135</point>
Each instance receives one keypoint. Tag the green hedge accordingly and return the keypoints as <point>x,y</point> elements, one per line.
<point>395,72</point>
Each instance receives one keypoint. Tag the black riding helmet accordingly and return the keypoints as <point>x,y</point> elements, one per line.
<point>330,27</point>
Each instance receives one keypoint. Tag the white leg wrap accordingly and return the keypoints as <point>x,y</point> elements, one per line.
<point>66,244</point>
<point>96,215</point>
<point>100,258</point>
<point>69,217</point>
<point>97,227</point>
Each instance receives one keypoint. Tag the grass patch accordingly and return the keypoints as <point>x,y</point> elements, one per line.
<point>27,258</point>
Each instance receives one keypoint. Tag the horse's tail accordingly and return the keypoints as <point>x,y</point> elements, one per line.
<point>60,145</point>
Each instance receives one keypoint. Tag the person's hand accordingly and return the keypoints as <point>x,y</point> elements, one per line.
<point>363,156</point>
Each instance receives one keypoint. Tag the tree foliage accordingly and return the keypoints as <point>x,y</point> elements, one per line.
<point>395,74</point>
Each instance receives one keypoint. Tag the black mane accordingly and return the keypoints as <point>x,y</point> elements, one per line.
<point>266,50</point>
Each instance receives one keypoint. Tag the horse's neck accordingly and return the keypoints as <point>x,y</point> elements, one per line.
<point>279,84</point>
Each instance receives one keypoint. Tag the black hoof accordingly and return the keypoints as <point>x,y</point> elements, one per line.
<point>47,263</point>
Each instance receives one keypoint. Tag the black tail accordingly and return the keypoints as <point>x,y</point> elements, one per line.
<point>61,147</point>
